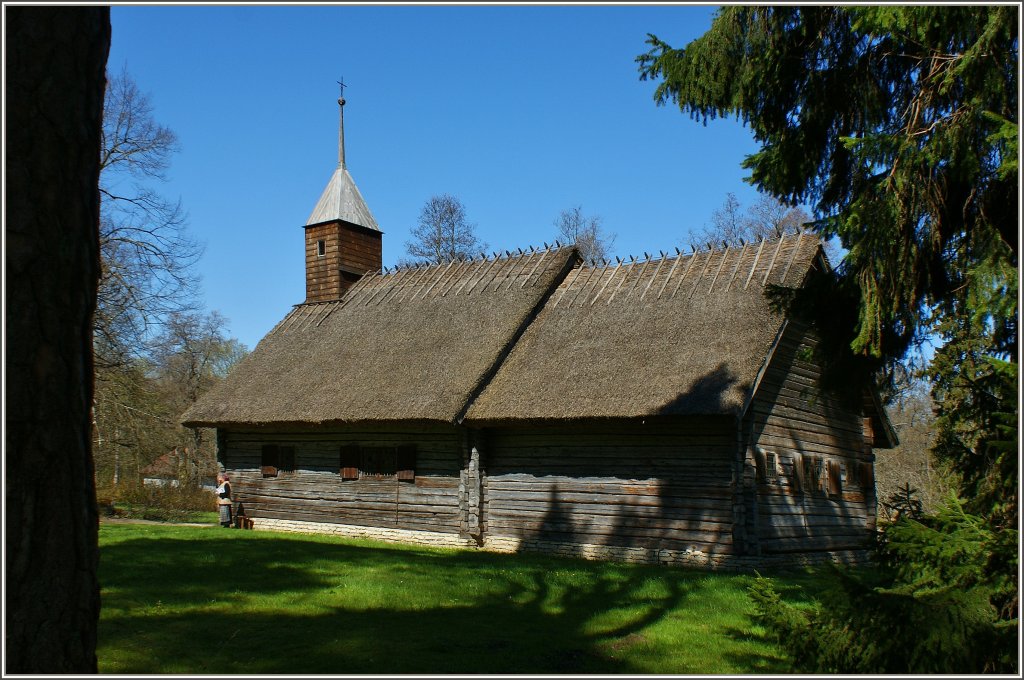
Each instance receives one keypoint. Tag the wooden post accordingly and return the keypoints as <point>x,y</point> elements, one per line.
<point>471,488</point>
<point>870,496</point>
<point>745,534</point>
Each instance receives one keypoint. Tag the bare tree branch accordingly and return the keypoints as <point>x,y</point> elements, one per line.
<point>585,232</point>
<point>442,233</point>
<point>148,256</point>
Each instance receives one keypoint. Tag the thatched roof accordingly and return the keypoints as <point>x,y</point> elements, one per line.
<point>667,336</point>
<point>415,344</point>
<point>532,336</point>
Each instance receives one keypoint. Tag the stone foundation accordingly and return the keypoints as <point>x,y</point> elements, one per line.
<point>679,558</point>
<point>376,533</point>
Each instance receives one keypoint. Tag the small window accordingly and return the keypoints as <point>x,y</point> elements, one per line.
<point>268,460</point>
<point>813,473</point>
<point>771,473</point>
<point>853,474</point>
<point>349,464</point>
<point>818,474</point>
<point>321,248</point>
<point>406,455</point>
<point>766,463</point>
<point>276,459</point>
<point>378,462</point>
<point>286,458</point>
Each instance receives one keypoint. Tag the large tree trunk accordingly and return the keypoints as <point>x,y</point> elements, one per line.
<point>56,60</point>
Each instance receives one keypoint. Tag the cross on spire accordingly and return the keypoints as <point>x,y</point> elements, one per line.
<point>341,123</point>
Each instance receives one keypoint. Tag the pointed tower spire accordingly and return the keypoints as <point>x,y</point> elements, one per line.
<point>343,241</point>
<point>341,199</point>
<point>341,123</point>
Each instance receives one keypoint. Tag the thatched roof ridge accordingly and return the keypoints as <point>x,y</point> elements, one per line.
<point>525,336</point>
<point>410,344</point>
<point>654,336</point>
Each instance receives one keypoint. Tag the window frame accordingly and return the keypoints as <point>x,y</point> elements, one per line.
<point>377,463</point>
<point>275,459</point>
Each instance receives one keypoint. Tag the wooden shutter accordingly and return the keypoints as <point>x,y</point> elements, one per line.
<point>759,465</point>
<point>867,475</point>
<point>269,460</point>
<point>799,472</point>
<point>406,459</point>
<point>869,432</point>
<point>349,462</point>
<point>835,481</point>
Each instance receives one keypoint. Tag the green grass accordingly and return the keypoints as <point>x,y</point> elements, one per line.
<point>207,600</point>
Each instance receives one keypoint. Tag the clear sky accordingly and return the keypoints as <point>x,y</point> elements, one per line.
<point>519,111</point>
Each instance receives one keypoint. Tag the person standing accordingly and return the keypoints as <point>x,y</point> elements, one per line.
<point>224,499</point>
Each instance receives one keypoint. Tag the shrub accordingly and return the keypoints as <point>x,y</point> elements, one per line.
<point>164,503</point>
<point>941,601</point>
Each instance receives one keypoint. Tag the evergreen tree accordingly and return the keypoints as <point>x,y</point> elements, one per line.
<point>899,126</point>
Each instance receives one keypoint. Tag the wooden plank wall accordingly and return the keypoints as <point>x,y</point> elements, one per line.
<point>346,246</point>
<point>360,249</point>
<point>315,492</point>
<point>790,415</point>
<point>323,279</point>
<point>663,485</point>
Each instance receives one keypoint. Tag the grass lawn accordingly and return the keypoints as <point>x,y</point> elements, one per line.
<point>207,600</point>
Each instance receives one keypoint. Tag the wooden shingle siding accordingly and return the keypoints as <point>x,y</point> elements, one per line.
<point>345,247</point>
<point>654,485</point>
<point>316,490</point>
<point>791,417</point>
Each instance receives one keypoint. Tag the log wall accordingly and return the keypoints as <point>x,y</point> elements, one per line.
<point>792,418</point>
<point>316,492</point>
<point>666,485</point>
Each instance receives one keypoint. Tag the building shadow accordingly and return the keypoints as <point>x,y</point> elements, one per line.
<point>625,489</point>
<point>460,612</point>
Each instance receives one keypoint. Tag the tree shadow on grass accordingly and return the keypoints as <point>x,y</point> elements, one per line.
<point>761,653</point>
<point>221,604</point>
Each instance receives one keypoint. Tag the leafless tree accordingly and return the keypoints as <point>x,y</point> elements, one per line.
<point>190,356</point>
<point>767,218</point>
<point>443,233</point>
<point>727,224</point>
<point>586,233</point>
<point>138,405</point>
<point>147,255</point>
<point>913,417</point>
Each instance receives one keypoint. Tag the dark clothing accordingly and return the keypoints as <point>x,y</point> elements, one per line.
<point>224,503</point>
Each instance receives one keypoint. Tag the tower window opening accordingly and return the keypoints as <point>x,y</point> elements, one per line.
<point>321,248</point>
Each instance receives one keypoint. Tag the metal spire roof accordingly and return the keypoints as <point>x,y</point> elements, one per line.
<point>341,199</point>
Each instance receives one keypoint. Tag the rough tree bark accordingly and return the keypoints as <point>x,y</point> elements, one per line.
<point>56,60</point>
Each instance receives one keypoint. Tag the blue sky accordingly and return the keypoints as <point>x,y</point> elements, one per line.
<point>519,111</point>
